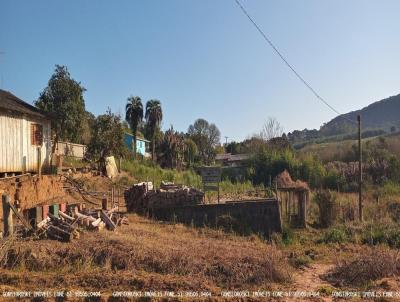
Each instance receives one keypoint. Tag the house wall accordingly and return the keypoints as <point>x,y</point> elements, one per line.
<point>140,144</point>
<point>17,154</point>
<point>69,149</point>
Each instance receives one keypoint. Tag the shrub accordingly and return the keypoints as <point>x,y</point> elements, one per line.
<point>371,264</point>
<point>288,235</point>
<point>334,235</point>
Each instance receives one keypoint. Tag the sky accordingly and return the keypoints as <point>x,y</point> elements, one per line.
<point>204,59</point>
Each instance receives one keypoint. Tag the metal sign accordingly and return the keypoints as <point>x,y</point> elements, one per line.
<point>209,176</point>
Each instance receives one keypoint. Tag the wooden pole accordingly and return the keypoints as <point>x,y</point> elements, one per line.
<point>360,202</point>
<point>7,216</point>
<point>104,202</point>
<point>39,161</point>
<point>218,192</point>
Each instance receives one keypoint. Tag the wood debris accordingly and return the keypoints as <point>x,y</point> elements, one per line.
<point>139,198</point>
<point>69,225</point>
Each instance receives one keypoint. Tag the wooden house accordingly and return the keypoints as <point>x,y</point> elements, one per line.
<point>25,136</point>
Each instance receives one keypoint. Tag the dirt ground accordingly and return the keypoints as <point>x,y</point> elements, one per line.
<point>149,255</point>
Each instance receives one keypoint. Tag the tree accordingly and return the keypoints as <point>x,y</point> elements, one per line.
<point>271,129</point>
<point>191,151</point>
<point>173,148</point>
<point>153,118</point>
<point>134,116</point>
<point>206,136</point>
<point>63,100</point>
<point>107,138</point>
<point>87,127</point>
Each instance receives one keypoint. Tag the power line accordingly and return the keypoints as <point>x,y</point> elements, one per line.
<point>287,63</point>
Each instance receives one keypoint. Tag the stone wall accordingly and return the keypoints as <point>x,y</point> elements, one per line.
<point>246,217</point>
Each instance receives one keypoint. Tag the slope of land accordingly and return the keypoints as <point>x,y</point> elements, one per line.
<point>145,255</point>
<point>379,118</point>
<point>383,115</point>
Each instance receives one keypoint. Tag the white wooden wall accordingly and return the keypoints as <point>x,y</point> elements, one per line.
<point>70,149</point>
<point>17,154</point>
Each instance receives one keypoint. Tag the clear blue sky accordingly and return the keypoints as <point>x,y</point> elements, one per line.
<point>204,58</point>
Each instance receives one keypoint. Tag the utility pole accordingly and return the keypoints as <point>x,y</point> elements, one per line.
<point>360,202</point>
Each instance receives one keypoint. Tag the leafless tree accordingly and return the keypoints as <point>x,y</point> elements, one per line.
<point>271,129</point>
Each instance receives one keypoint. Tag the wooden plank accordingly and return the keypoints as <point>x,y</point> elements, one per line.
<point>109,223</point>
<point>65,216</point>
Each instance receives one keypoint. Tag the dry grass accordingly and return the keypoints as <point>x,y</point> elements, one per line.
<point>369,265</point>
<point>145,255</point>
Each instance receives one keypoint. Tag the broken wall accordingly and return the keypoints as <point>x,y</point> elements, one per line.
<point>260,217</point>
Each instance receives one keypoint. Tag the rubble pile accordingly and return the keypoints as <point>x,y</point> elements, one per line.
<point>140,197</point>
<point>68,225</point>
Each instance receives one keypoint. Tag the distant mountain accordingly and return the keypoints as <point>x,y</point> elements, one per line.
<point>381,115</point>
<point>378,118</point>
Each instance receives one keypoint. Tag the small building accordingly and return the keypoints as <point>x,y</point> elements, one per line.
<point>25,136</point>
<point>232,160</point>
<point>142,145</point>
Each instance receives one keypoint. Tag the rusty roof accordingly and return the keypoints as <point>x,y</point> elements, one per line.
<point>10,102</point>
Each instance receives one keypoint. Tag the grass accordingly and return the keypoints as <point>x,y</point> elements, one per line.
<point>145,255</point>
<point>369,265</point>
<point>147,171</point>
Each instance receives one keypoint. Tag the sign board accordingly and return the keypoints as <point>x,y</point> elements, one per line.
<point>211,174</point>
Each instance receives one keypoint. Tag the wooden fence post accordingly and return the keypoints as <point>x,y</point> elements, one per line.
<point>7,216</point>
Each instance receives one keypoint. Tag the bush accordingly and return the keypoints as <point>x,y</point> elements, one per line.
<point>288,235</point>
<point>371,264</point>
<point>335,235</point>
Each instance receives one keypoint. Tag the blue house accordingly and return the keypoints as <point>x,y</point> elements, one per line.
<point>142,145</point>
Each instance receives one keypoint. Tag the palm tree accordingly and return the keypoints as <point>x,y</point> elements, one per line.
<point>153,118</point>
<point>134,116</point>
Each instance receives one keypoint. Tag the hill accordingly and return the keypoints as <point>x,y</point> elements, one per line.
<point>378,118</point>
<point>381,115</point>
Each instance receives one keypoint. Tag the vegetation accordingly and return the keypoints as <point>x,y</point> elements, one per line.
<point>107,137</point>
<point>63,100</point>
<point>153,117</point>
<point>207,137</point>
<point>145,256</point>
<point>148,171</point>
<point>369,265</point>
<point>134,117</point>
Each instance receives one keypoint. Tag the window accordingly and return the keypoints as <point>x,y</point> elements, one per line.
<point>36,134</point>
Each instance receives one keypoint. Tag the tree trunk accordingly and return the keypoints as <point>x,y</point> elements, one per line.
<point>153,148</point>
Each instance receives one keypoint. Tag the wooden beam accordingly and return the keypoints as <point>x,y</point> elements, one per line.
<point>109,223</point>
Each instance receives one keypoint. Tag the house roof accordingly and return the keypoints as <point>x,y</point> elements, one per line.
<point>232,157</point>
<point>10,102</point>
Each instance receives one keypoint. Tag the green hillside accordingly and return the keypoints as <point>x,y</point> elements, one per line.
<point>379,118</point>
<point>381,115</point>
